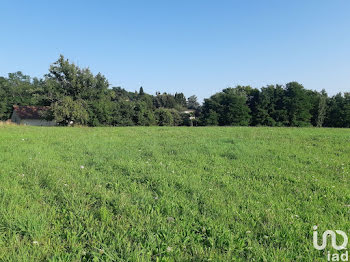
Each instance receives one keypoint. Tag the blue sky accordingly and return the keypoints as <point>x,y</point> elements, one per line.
<point>195,47</point>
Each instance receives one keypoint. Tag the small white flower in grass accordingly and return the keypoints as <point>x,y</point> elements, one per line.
<point>65,185</point>
<point>248,232</point>
<point>169,249</point>
<point>170,219</point>
<point>156,198</point>
<point>314,227</point>
<point>82,167</point>
<point>101,251</point>
<point>35,243</point>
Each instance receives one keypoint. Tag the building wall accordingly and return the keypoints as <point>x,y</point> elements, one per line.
<point>30,122</point>
<point>15,118</point>
<point>37,122</point>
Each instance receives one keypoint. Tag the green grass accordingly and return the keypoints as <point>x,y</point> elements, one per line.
<point>171,194</point>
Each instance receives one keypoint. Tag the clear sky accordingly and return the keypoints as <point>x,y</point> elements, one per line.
<point>195,47</point>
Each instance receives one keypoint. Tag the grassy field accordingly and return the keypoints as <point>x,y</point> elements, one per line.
<point>171,194</point>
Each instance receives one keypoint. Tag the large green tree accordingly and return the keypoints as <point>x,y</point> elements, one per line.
<point>164,117</point>
<point>335,112</point>
<point>229,107</point>
<point>67,79</point>
<point>298,105</point>
<point>262,107</point>
<point>72,88</point>
<point>68,111</point>
<point>143,115</point>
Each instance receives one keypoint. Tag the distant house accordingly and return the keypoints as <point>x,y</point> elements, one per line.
<point>31,116</point>
<point>190,112</point>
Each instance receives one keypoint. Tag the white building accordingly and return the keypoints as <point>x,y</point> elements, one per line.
<point>190,112</point>
<point>31,116</point>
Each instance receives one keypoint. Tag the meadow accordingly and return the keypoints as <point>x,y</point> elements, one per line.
<point>171,193</point>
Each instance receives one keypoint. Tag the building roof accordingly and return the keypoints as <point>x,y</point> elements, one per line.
<point>31,112</point>
<point>188,111</point>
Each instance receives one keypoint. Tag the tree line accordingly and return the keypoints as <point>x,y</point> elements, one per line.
<point>75,95</point>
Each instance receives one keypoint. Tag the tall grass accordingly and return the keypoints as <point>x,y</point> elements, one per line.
<point>7,123</point>
<point>170,194</point>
